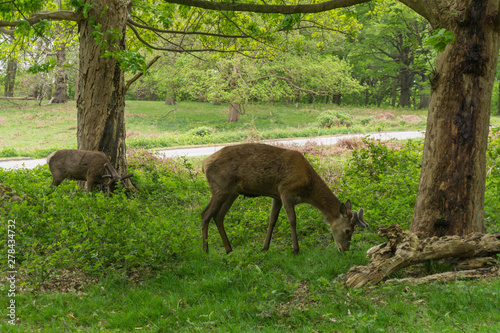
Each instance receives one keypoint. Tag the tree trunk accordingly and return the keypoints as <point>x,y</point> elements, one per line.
<point>10,77</point>
<point>394,92</point>
<point>405,83</point>
<point>452,182</point>
<point>77,81</point>
<point>424,101</point>
<point>170,99</point>
<point>101,95</point>
<point>234,112</point>
<point>61,89</point>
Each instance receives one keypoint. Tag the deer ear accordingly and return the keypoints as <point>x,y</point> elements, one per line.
<point>343,209</point>
<point>348,204</point>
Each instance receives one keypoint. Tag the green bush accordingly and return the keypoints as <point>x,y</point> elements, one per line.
<point>201,131</point>
<point>331,118</point>
<point>384,181</point>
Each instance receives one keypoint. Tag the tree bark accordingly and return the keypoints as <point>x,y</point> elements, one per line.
<point>405,84</point>
<point>450,197</point>
<point>404,249</point>
<point>101,93</point>
<point>234,112</point>
<point>170,99</point>
<point>10,77</point>
<point>61,89</point>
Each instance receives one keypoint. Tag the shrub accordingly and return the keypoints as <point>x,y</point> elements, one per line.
<point>333,118</point>
<point>201,131</point>
<point>384,181</point>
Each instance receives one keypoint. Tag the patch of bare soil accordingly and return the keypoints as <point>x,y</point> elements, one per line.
<point>410,118</point>
<point>133,134</point>
<point>384,116</point>
<point>301,301</point>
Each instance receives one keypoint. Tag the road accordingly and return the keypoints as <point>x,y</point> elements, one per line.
<point>207,150</point>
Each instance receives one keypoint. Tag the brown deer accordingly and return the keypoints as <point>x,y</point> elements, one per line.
<point>284,175</point>
<point>75,164</point>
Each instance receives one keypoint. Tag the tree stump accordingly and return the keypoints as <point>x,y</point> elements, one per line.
<point>404,249</point>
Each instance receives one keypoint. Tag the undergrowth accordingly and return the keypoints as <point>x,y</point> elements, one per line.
<point>140,253</point>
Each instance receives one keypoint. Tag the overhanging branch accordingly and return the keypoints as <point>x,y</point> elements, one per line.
<point>269,9</point>
<point>138,75</point>
<point>60,15</point>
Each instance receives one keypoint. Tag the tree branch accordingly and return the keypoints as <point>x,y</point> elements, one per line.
<point>280,9</point>
<point>179,50</point>
<point>60,15</point>
<point>138,75</point>
<point>142,26</point>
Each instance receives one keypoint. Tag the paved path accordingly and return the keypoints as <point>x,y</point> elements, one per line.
<point>207,150</point>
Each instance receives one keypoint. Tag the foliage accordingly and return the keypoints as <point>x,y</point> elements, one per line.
<point>136,262</point>
<point>440,38</point>
<point>388,55</point>
<point>492,204</point>
<point>333,118</point>
<point>384,181</point>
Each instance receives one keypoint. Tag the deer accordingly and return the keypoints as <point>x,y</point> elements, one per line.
<point>87,165</point>
<point>255,169</point>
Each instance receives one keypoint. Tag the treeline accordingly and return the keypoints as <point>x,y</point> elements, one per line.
<point>385,61</point>
<point>381,59</point>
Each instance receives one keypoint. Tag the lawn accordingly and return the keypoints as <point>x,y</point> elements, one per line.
<point>36,131</point>
<point>133,262</point>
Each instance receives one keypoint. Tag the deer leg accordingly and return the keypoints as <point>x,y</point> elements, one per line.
<point>90,184</point>
<point>206,216</point>
<point>292,219</point>
<point>217,209</point>
<point>219,221</point>
<point>275,212</point>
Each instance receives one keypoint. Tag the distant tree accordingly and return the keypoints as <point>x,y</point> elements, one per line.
<point>389,53</point>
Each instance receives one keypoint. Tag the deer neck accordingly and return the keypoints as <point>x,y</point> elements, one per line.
<point>323,199</point>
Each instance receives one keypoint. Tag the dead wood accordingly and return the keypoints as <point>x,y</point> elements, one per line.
<point>491,272</point>
<point>26,98</point>
<point>404,249</point>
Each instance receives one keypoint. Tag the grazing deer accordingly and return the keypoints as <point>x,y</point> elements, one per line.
<point>75,164</point>
<point>284,175</point>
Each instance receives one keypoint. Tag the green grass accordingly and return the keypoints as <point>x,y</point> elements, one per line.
<point>88,263</point>
<point>36,131</point>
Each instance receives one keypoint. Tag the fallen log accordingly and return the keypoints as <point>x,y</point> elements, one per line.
<point>491,272</point>
<point>404,249</point>
<point>27,98</point>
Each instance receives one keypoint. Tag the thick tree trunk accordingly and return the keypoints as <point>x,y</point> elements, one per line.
<point>405,84</point>
<point>234,112</point>
<point>452,183</point>
<point>77,81</point>
<point>10,77</point>
<point>61,89</point>
<point>101,99</point>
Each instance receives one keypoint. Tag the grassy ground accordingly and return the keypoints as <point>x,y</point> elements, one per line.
<point>88,263</point>
<point>32,130</point>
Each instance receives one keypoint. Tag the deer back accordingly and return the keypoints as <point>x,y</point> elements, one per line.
<point>78,164</point>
